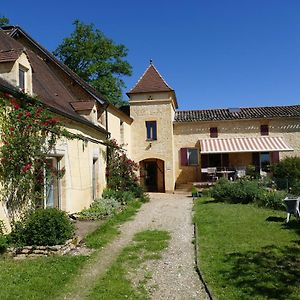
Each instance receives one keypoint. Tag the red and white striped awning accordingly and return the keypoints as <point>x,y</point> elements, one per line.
<point>249,144</point>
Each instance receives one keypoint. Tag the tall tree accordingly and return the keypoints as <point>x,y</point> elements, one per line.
<point>4,21</point>
<point>96,59</point>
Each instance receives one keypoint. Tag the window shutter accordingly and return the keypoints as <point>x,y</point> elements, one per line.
<point>183,156</point>
<point>275,157</point>
<point>154,131</point>
<point>148,130</point>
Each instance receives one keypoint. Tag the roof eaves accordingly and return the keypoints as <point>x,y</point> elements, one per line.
<point>8,88</point>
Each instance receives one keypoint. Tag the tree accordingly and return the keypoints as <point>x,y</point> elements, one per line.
<point>4,21</point>
<point>96,59</point>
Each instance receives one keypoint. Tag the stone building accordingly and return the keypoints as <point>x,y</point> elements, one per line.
<point>175,148</point>
<point>27,67</point>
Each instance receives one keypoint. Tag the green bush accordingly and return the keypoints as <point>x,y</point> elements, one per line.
<point>271,199</point>
<point>48,226</point>
<point>121,196</point>
<point>247,191</point>
<point>100,209</point>
<point>287,173</point>
<point>222,190</point>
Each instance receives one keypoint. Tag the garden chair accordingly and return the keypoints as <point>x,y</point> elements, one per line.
<point>212,174</point>
<point>292,207</point>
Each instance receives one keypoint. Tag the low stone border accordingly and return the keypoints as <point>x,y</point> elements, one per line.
<point>42,251</point>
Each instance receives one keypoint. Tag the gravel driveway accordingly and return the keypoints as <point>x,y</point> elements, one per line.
<point>174,275</point>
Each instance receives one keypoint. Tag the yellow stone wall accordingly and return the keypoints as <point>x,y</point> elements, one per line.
<point>159,109</point>
<point>187,135</point>
<point>77,157</point>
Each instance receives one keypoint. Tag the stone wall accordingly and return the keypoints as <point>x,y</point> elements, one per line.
<point>159,109</point>
<point>187,135</point>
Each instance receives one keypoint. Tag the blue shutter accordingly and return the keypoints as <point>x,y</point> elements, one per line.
<point>148,130</point>
<point>154,130</point>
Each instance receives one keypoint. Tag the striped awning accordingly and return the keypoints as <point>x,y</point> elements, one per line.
<point>247,144</point>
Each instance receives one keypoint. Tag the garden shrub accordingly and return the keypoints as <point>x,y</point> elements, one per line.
<point>247,191</point>
<point>121,171</point>
<point>271,199</point>
<point>222,190</point>
<point>122,196</point>
<point>48,226</point>
<point>100,209</point>
<point>287,173</point>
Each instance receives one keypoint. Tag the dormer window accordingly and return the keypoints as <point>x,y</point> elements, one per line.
<point>22,78</point>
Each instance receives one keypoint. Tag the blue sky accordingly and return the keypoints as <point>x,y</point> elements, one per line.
<point>225,53</point>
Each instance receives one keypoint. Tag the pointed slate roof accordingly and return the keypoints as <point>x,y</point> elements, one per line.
<point>150,81</point>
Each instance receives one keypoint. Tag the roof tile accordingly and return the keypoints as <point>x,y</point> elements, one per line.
<point>243,113</point>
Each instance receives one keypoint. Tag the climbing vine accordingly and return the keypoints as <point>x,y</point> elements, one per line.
<point>121,171</point>
<point>28,134</point>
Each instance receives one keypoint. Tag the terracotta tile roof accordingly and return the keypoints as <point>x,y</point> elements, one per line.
<point>237,114</point>
<point>150,81</point>
<point>9,55</point>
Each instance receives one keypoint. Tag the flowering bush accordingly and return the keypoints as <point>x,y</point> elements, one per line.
<point>28,134</point>
<point>121,171</point>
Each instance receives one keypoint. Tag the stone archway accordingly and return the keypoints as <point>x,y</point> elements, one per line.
<point>152,175</point>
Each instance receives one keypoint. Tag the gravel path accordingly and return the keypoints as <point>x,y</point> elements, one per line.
<point>174,276</point>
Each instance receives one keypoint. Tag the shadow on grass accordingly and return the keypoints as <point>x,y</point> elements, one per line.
<point>275,219</point>
<point>212,201</point>
<point>272,272</point>
<point>294,225</point>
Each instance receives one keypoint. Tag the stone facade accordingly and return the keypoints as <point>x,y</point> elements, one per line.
<point>150,102</point>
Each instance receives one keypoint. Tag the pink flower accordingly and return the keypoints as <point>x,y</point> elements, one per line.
<point>26,168</point>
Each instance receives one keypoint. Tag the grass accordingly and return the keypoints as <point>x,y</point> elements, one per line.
<point>41,278</point>
<point>246,252</point>
<point>116,283</point>
<point>108,230</point>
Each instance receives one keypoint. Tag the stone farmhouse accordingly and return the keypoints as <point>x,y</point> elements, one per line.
<point>173,148</point>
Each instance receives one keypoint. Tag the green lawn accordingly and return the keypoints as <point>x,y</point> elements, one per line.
<point>46,278</point>
<point>41,278</point>
<point>116,284</point>
<point>246,252</point>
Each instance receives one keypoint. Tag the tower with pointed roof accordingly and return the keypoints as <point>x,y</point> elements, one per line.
<point>152,107</point>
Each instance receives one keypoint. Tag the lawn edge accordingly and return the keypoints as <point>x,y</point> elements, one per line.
<point>197,261</point>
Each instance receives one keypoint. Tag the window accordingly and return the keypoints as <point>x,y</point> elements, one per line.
<point>213,132</point>
<point>94,178</point>
<point>264,129</point>
<point>52,183</point>
<point>22,78</point>
<point>265,161</point>
<point>189,157</point>
<point>121,132</point>
<point>151,130</point>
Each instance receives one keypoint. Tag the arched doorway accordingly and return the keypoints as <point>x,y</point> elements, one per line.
<point>152,175</point>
